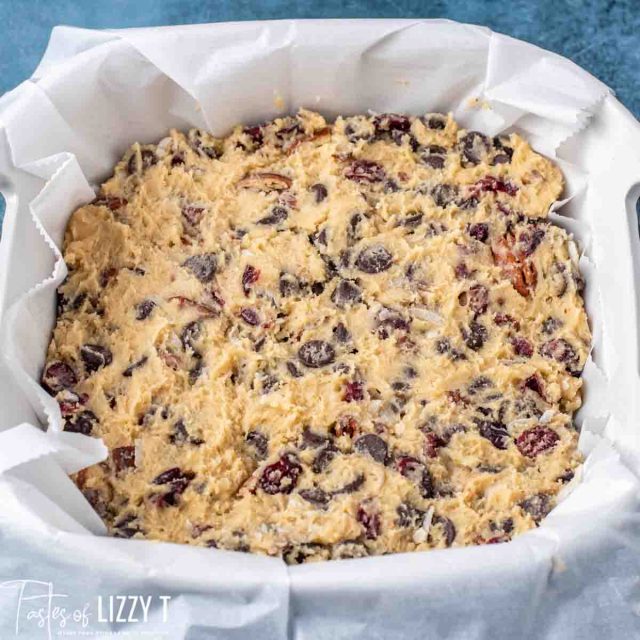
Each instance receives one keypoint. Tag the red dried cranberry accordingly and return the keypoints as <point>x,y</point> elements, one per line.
<point>250,316</point>
<point>475,336</point>
<point>281,476</point>
<point>479,231</point>
<point>535,383</point>
<point>522,346</point>
<point>528,242</point>
<point>365,171</point>
<point>560,350</point>
<point>370,520</point>
<point>534,441</point>
<point>432,443</point>
<point>193,213</point>
<point>493,185</point>
<point>124,458</point>
<point>58,376</point>
<point>479,298</point>
<point>249,277</point>
<point>354,391</point>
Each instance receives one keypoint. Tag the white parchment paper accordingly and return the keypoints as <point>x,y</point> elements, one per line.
<point>94,93</point>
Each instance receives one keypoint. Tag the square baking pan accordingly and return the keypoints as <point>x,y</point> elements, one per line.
<point>96,92</point>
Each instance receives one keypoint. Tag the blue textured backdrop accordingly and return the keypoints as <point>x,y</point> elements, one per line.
<point>603,36</point>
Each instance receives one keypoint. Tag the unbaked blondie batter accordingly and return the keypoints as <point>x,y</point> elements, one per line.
<point>323,341</point>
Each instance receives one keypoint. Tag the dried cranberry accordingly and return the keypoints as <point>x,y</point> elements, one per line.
<point>255,134</point>
<point>112,202</point>
<point>70,402</point>
<point>315,496</point>
<point>535,383</point>
<point>123,458</point>
<point>58,376</point>
<point>529,241</point>
<point>249,277</point>
<point>494,431</point>
<point>250,316</point>
<point>144,309</point>
<point>365,171</point>
<point>537,506</point>
<point>176,477</point>
<point>193,213</point>
<point>560,350</point>
<point>346,292</point>
<point>316,353</point>
<point>372,445</point>
<point>202,266</point>
<point>489,184</point>
<point>479,298</point>
<point>502,319</point>
<point>354,391</point>
<point>281,476</point>
<point>370,520</point>
<point>479,231</point>
<point>319,191</point>
<point>128,372</point>
<point>95,356</point>
<point>522,346</point>
<point>432,442</point>
<point>534,441</point>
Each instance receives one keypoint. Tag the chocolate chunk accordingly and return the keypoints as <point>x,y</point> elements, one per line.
<point>202,266</point>
<point>95,357</point>
<point>346,292</point>
<point>316,353</point>
<point>372,445</point>
<point>123,458</point>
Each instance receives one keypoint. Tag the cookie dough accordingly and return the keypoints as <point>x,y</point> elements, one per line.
<point>323,341</point>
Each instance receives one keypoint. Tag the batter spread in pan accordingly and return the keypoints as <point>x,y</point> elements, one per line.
<point>323,341</point>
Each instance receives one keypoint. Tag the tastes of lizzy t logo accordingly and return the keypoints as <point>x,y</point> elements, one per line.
<point>42,612</point>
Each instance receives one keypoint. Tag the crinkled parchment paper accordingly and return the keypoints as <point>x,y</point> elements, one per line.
<point>95,93</point>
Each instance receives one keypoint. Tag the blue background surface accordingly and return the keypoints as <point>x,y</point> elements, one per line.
<point>603,36</point>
